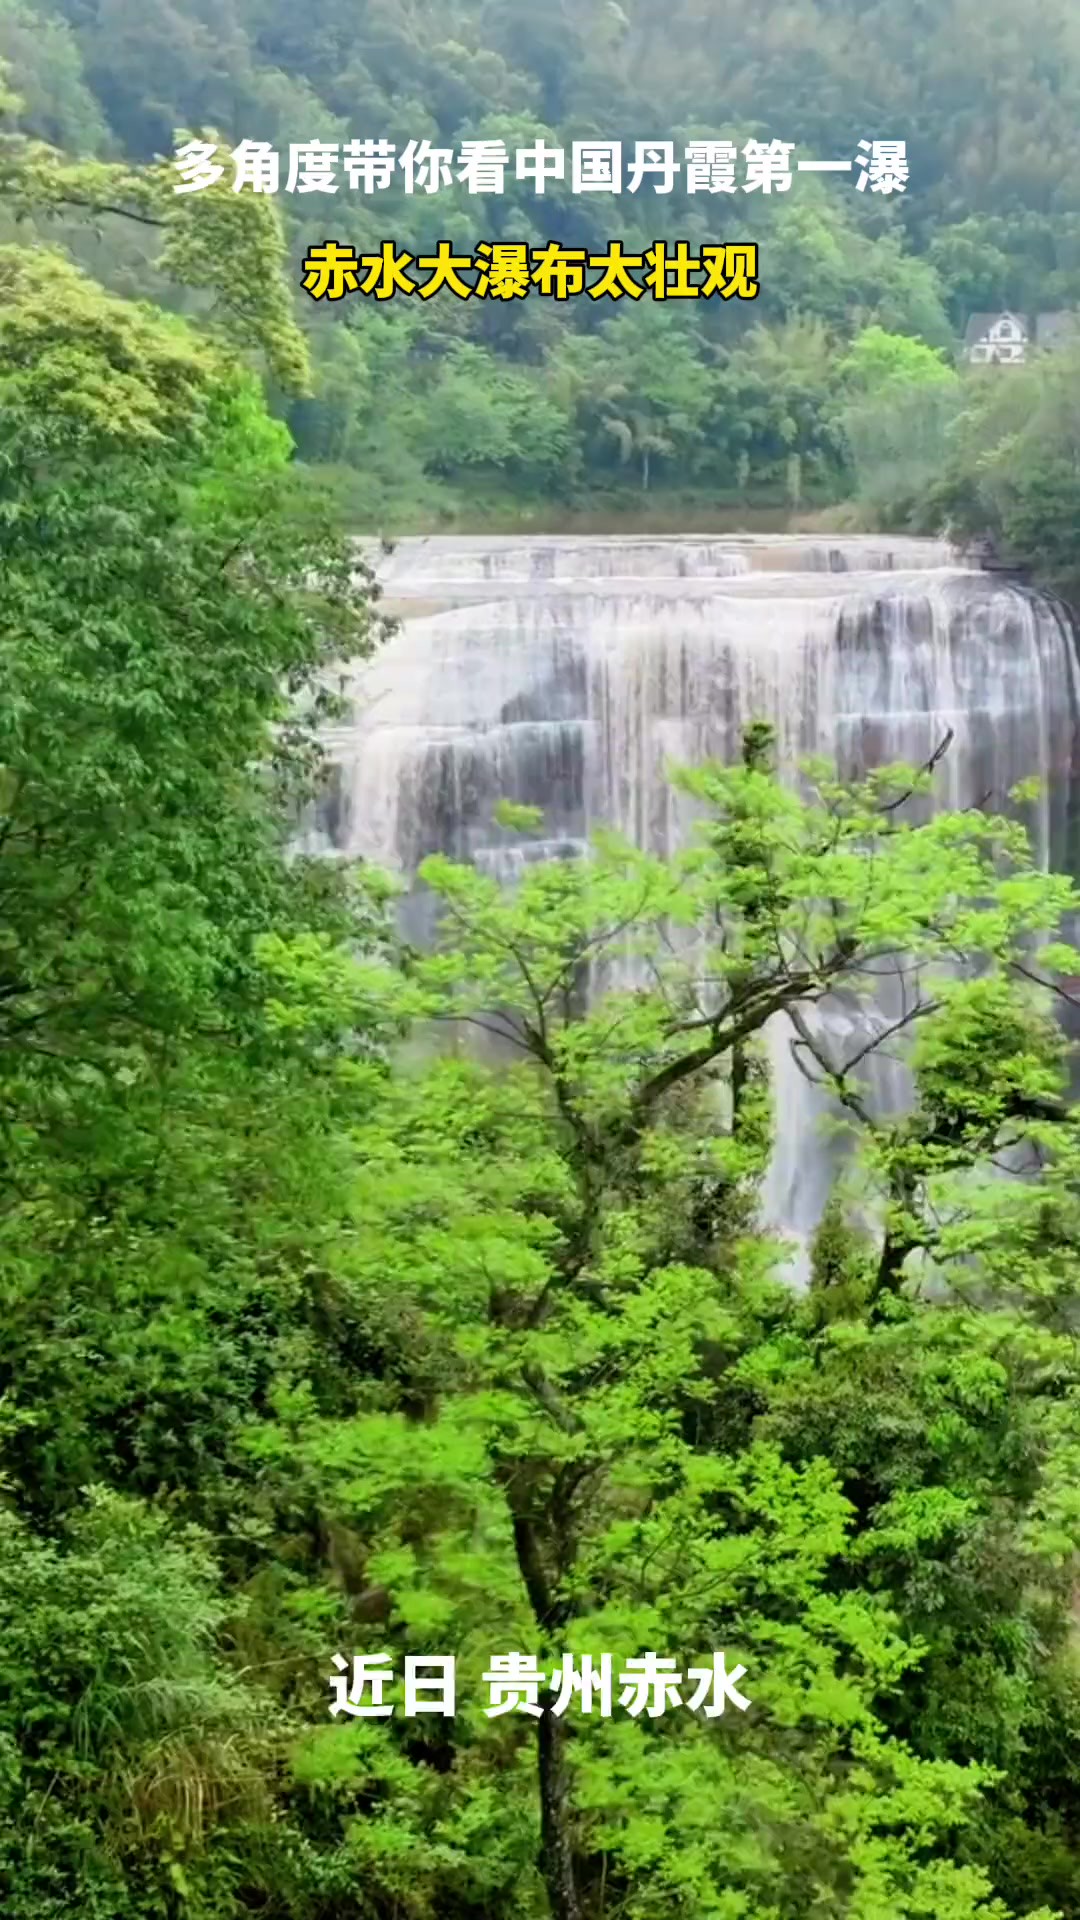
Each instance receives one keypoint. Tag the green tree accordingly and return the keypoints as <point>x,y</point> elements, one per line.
<point>173,603</point>
<point>480,415</point>
<point>643,385</point>
<point>55,103</point>
<point>159,629</point>
<point>772,402</point>
<point>599,1450</point>
<point>226,252</point>
<point>125,1739</point>
<point>898,400</point>
<point>1011,466</point>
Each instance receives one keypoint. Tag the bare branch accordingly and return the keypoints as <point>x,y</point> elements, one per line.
<point>942,748</point>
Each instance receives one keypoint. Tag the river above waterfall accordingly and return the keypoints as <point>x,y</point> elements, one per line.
<point>569,673</point>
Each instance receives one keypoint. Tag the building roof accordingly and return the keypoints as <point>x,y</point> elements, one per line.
<point>1054,326</point>
<point>1043,328</point>
<point>980,324</point>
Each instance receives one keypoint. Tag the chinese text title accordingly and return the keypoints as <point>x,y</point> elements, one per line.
<point>508,270</point>
<point>482,166</point>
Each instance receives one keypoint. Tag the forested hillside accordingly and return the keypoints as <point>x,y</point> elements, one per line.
<point>321,1342</point>
<point>428,407</point>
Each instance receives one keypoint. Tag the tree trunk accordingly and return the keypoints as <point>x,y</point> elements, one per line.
<point>897,1242</point>
<point>556,1848</point>
<point>556,1861</point>
<point>738,1087</point>
<point>645,470</point>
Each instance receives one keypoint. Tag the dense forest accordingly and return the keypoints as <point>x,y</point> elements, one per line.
<point>319,1340</point>
<point>527,408</point>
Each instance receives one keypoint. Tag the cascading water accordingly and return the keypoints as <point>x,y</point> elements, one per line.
<point>568,673</point>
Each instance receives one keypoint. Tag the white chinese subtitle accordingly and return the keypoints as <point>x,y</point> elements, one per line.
<point>648,1684</point>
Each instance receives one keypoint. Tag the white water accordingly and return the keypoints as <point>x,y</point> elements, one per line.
<point>566,673</point>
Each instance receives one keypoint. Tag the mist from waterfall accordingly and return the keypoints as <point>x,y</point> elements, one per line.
<point>569,674</point>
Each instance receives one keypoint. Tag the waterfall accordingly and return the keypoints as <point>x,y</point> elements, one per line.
<point>568,673</point>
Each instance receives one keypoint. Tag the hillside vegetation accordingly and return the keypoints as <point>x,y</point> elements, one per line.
<point>532,409</point>
<point>321,1342</point>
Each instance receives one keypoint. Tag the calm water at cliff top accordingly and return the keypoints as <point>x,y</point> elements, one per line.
<point>567,673</point>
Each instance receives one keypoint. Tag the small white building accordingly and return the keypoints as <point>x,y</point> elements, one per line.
<point>1006,339</point>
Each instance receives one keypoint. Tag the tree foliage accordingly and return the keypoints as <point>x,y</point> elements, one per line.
<point>323,1331</point>
<point>986,103</point>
